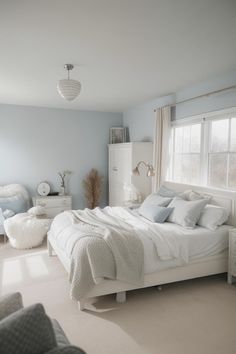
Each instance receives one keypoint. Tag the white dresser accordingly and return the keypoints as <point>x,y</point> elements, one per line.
<point>123,158</point>
<point>54,204</point>
<point>232,256</point>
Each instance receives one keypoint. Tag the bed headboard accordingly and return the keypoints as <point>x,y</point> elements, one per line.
<point>224,198</point>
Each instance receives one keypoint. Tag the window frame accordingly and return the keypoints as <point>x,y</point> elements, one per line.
<point>205,144</point>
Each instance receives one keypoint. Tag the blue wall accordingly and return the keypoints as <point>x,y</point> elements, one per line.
<point>36,143</point>
<point>140,119</point>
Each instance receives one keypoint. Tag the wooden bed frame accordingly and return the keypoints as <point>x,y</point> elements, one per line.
<point>204,267</point>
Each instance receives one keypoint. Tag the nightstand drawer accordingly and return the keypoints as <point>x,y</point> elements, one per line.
<point>54,205</point>
<point>51,202</point>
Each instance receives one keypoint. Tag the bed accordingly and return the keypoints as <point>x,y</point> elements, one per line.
<point>190,253</point>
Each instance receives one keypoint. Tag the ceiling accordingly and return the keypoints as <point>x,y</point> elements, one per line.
<point>125,52</point>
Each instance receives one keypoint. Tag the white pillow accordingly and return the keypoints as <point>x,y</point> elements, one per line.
<point>37,211</point>
<point>186,213</point>
<point>213,216</point>
<point>192,195</point>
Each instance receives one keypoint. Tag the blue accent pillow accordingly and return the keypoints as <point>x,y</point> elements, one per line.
<point>16,203</point>
<point>167,193</point>
<point>156,200</point>
<point>155,213</point>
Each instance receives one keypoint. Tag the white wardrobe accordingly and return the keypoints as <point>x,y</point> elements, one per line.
<point>123,158</point>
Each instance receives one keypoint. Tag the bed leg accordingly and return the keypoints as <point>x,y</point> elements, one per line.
<point>50,249</point>
<point>81,304</point>
<point>121,297</point>
<point>229,278</point>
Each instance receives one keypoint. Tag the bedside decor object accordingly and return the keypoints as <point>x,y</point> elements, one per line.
<point>232,256</point>
<point>53,205</point>
<point>117,135</point>
<point>132,196</point>
<point>53,193</point>
<point>93,188</point>
<point>67,88</point>
<point>149,167</point>
<point>63,175</point>
<point>43,188</point>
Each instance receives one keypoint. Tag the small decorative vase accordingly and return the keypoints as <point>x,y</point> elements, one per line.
<point>62,191</point>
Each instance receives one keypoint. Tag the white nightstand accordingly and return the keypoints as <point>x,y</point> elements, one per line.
<point>232,256</point>
<point>131,205</point>
<point>54,204</point>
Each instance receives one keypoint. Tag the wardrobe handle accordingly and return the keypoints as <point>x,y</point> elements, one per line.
<point>114,169</point>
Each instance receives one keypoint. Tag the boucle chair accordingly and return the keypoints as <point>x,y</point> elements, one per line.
<point>14,199</point>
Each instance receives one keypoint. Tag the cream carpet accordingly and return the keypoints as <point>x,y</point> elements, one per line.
<point>191,317</point>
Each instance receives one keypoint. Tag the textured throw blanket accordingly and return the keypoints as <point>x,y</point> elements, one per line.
<point>107,248</point>
<point>109,243</point>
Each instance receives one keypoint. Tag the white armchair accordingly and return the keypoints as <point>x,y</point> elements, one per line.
<point>14,198</point>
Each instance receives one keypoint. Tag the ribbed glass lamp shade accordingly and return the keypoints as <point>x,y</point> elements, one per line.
<point>69,89</point>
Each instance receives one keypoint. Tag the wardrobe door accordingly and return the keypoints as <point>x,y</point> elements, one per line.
<point>113,176</point>
<point>119,173</point>
<point>124,165</point>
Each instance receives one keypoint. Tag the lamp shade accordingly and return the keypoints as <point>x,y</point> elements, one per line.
<point>136,171</point>
<point>69,89</point>
<point>150,171</point>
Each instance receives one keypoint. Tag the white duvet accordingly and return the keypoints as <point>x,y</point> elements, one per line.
<point>165,243</point>
<point>89,238</point>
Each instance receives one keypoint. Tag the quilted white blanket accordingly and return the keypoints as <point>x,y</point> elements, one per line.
<point>108,244</point>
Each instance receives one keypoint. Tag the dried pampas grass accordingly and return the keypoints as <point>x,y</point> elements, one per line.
<point>93,188</point>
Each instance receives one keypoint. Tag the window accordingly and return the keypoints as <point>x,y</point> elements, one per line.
<point>222,154</point>
<point>204,151</point>
<point>186,154</point>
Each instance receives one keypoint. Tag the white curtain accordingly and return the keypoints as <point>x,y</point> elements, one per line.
<point>161,147</point>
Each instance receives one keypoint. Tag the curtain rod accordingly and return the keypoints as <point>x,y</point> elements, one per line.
<point>201,96</point>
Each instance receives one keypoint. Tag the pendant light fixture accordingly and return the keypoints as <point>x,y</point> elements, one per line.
<point>68,88</point>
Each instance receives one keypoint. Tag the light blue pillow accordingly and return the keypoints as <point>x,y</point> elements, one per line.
<point>156,200</point>
<point>166,192</point>
<point>17,203</point>
<point>155,213</point>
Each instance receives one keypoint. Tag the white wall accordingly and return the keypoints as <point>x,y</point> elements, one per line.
<point>140,119</point>
<point>36,143</point>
